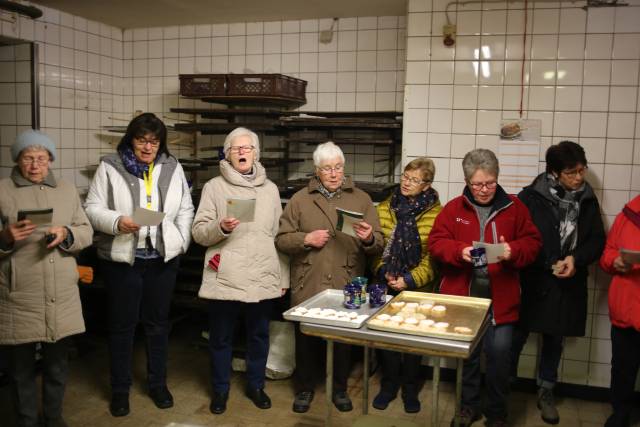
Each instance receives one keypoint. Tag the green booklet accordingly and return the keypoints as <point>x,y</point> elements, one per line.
<point>346,219</point>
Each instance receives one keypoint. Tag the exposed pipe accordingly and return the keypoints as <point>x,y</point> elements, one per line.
<point>30,11</point>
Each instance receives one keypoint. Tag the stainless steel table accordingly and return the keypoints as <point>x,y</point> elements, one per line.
<point>369,338</point>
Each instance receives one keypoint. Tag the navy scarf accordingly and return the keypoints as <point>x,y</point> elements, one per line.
<point>404,250</point>
<point>131,163</point>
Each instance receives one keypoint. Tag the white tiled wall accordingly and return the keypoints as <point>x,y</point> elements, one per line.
<point>94,75</point>
<point>80,73</point>
<point>15,97</point>
<point>361,69</point>
<point>581,80</point>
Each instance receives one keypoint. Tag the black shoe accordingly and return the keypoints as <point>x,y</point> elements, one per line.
<point>56,422</point>
<point>161,397</point>
<point>302,402</point>
<point>411,404</point>
<point>382,400</point>
<point>259,398</point>
<point>341,401</point>
<point>119,406</point>
<point>219,402</point>
<point>466,417</point>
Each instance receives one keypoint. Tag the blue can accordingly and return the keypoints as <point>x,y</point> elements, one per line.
<point>377,294</point>
<point>352,293</point>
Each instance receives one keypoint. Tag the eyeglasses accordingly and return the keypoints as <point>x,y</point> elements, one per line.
<point>242,148</point>
<point>411,180</point>
<point>28,160</point>
<point>141,142</point>
<point>328,169</point>
<point>491,185</point>
<point>575,172</point>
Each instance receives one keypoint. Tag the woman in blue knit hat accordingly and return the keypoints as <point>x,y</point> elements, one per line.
<point>39,299</point>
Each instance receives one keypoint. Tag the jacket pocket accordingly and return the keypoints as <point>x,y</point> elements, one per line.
<point>172,239</point>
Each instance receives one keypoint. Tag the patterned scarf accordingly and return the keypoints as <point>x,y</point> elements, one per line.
<point>326,193</point>
<point>568,205</point>
<point>131,163</point>
<point>404,250</point>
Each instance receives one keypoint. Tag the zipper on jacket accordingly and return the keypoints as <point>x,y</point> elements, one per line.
<point>489,218</point>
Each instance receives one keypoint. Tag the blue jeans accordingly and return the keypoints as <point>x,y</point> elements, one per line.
<point>222,319</point>
<point>550,355</point>
<point>139,293</point>
<point>497,346</point>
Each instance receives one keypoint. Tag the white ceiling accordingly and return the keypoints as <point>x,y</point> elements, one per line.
<point>158,13</point>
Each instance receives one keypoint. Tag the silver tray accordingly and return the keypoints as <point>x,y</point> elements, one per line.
<point>331,298</point>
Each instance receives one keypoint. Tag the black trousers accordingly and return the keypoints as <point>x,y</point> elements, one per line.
<point>22,371</point>
<point>139,293</point>
<point>625,362</point>
<point>400,369</point>
<point>310,358</point>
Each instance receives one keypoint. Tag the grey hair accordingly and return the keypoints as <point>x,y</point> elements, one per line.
<point>325,152</point>
<point>480,158</point>
<point>240,131</point>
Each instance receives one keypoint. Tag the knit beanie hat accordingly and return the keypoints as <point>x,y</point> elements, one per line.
<point>32,138</point>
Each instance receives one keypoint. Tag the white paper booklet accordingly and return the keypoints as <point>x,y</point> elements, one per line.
<point>494,250</point>
<point>346,219</point>
<point>147,217</point>
<point>241,209</point>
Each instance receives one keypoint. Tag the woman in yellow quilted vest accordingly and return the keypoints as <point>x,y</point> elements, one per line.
<point>406,218</point>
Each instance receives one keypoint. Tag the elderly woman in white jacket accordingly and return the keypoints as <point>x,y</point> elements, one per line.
<point>243,272</point>
<point>140,263</point>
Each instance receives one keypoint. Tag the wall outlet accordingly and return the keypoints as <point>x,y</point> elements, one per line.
<point>449,34</point>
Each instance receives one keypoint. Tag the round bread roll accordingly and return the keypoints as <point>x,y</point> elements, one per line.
<point>383,316</point>
<point>438,311</point>
<point>408,310</point>
<point>412,305</point>
<point>462,330</point>
<point>426,324</point>
<point>397,305</point>
<point>411,321</point>
<point>398,319</point>
<point>441,326</point>
<point>419,316</point>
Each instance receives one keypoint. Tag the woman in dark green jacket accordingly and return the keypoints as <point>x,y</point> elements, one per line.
<point>406,218</point>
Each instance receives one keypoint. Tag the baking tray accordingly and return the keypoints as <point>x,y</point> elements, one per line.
<point>470,312</point>
<point>333,299</point>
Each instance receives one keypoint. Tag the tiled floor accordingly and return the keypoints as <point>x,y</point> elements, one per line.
<point>86,401</point>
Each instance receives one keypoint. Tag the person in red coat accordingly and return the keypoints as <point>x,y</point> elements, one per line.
<point>624,311</point>
<point>485,212</point>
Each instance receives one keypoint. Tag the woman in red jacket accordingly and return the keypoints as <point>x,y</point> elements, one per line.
<point>486,213</point>
<point>624,311</point>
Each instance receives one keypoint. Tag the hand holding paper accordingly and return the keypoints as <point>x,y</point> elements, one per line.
<point>147,217</point>
<point>629,256</point>
<point>241,209</point>
<point>495,251</point>
<point>346,221</point>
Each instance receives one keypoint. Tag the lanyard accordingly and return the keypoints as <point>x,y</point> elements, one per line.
<point>148,184</point>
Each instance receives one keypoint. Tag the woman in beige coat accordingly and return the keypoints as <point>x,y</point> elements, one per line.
<point>324,258</point>
<point>243,273</point>
<point>39,298</point>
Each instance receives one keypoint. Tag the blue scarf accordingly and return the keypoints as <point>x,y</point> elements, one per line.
<point>403,251</point>
<point>131,163</point>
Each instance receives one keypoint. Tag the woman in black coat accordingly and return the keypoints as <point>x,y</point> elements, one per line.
<point>554,288</point>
